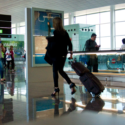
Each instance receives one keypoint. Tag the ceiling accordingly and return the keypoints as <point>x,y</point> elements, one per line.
<point>16,8</point>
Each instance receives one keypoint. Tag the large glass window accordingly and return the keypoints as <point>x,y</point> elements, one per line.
<point>119,41</point>
<point>66,21</point>
<point>13,30</point>
<point>120,28</point>
<point>97,30</point>
<point>120,15</point>
<point>97,41</point>
<point>102,22</point>
<point>22,30</point>
<point>93,19</point>
<point>105,43</point>
<point>105,17</point>
<point>105,30</point>
<point>81,20</point>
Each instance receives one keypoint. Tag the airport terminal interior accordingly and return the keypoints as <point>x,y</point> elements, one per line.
<point>27,82</point>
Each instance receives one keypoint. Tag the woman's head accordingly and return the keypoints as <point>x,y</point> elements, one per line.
<point>123,41</point>
<point>58,24</point>
<point>11,47</point>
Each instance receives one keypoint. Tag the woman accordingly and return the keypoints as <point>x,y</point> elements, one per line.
<point>1,63</point>
<point>58,54</point>
<point>10,59</point>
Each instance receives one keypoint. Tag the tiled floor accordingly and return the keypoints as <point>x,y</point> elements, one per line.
<point>65,110</point>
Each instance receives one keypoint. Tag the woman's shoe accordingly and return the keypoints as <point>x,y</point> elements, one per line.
<point>56,91</point>
<point>72,86</point>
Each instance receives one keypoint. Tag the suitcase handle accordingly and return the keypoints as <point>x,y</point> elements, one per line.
<point>74,61</point>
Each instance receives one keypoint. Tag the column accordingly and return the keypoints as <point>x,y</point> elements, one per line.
<point>112,27</point>
<point>71,18</point>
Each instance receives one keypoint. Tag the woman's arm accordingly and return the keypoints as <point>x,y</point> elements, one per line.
<point>70,46</point>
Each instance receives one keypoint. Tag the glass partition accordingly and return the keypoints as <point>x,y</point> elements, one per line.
<point>103,61</point>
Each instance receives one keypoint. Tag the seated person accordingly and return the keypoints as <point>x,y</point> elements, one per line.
<point>123,46</point>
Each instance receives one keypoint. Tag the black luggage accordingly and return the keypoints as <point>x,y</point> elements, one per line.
<point>91,82</point>
<point>79,68</point>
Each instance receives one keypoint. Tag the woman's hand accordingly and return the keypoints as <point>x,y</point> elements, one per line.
<point>71,57</point>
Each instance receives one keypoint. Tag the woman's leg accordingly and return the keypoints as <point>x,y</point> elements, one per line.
<point>8,65</point>
<point>12,64</point>
<point>1,69</point>
<point>61,71</point>
<point>55,73</point>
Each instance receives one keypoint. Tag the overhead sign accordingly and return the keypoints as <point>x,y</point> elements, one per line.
<point>5,26</point>
<point>5,17</point>
<point>5,31</point>
<point>1,31</point>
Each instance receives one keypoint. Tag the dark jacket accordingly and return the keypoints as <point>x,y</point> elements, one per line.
<point>59,44</point>
<point>90,45</point>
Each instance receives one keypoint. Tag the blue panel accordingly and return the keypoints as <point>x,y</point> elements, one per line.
<point>47,104</point>
<point>39,59</point>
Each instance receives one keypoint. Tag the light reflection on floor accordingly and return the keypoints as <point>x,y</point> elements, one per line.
<point>13,100</point>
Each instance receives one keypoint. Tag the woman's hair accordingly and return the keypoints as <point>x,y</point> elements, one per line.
<point>123,41</point>
<point>11,47</point>
<point>58,24</point>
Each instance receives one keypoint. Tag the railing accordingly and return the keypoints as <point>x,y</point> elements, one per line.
<point>112,61</point>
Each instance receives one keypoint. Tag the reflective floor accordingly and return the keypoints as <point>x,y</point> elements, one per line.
<point>15,107</point>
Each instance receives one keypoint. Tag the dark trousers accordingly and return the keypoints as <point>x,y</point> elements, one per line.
<point>4,61</point>
<point>95,68</point>
<point>93,64</point>
<point>1,68</point>
<point>12,63</point>
<point>58,65</point>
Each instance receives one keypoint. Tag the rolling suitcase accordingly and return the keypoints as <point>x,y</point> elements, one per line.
<point>91,82</point>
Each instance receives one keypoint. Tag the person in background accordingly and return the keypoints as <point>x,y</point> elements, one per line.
<point>2,49</point>
<point>12,56</point>
<point>123,46</point>
<point>91,45</point>
<point>2,55</point>
<point>58,53</point>
<point>24,54</point>
<point>8,59</point>
<point>5,57</point>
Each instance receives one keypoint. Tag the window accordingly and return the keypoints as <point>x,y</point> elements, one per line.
<point>119,41</point>
<point>93,19</point>
<point>105,30</point>
<point>66,21</point>
<point>102,22</point>
<point>97,41</point>
<point>120,28</point>
<point>105,17</point>
<point>13,30</point>
<point>105,43</point>
<point>81,19</point>
<point>22,30</point>
<point>97,30</point>
<point>119,15</point>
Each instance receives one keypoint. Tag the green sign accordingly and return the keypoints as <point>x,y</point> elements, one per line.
<point>1,31</point>
<point>17,45</point>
